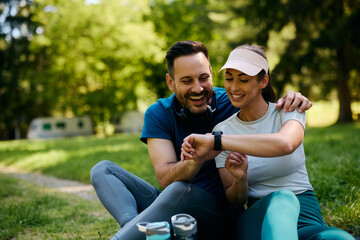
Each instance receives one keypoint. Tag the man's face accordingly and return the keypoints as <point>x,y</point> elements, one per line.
<point>192,82</point>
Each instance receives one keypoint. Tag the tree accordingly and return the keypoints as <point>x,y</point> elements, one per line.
<point>184,20</point>
<point>16,31</point>
<point>323,51</point>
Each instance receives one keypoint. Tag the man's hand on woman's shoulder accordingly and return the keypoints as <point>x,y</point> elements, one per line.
<point>291,100</point>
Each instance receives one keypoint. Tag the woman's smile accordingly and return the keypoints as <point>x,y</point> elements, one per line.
<point>237,96</point>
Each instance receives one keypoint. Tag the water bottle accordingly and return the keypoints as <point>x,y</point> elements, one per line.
<point>155,230</point>
<point>184,226</point>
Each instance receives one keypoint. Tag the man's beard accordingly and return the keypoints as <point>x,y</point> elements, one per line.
<point>192,108</point>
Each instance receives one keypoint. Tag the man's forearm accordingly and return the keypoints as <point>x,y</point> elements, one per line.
<point>179,171</point>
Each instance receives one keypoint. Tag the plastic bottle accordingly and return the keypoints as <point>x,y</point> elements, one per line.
<point>155,230</point>
<point>184,226</point>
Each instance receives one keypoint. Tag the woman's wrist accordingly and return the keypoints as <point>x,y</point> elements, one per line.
<point>240,179</point>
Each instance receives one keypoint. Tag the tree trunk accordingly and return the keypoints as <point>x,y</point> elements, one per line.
<point>345,114</point>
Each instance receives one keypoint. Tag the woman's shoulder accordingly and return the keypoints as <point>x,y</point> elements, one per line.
<point>285,116</point>
<point>221,125</point>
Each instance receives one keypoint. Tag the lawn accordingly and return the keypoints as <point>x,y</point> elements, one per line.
<point>333,163</point>
<point>72,158</point>
<point>27,212</point>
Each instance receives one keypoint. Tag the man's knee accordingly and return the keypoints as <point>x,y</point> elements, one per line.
<point>177,189</point>
<point>173,195</point>
<point>99,170</point>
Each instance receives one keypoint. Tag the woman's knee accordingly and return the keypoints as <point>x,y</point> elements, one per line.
<point>286,199</point>
<point>286,195</point>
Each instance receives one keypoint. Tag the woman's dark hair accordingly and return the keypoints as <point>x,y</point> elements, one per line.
<point>267,92</point>
<point>183,48</point>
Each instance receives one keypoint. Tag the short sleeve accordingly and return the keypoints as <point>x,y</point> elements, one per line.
<point>294,115</point>
<point>220,159</point>
<point>156,124</point>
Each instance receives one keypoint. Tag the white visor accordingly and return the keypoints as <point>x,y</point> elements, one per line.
<point>246,61</point>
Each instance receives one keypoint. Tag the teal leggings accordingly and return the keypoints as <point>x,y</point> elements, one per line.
<point>282,215</point>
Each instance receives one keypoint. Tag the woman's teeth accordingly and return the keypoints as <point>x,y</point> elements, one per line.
<point>237,95</point>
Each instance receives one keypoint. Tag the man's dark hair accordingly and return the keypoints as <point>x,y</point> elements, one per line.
<point>183,48</point>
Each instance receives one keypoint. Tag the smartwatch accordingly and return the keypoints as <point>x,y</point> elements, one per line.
<point>217,140</point>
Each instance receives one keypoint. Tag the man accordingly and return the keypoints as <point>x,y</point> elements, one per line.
<point>189,187</point>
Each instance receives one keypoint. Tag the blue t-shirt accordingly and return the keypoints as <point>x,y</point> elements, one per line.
<point>161,121</point>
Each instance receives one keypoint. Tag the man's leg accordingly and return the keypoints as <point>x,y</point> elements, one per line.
<point>211,212</point>
<point>123,194</point>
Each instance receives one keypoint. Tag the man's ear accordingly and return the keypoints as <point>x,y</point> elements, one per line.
<point>169,82</point>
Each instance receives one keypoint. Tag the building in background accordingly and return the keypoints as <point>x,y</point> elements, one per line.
<point>50,127</point>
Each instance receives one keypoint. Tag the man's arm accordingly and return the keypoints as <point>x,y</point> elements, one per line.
<point>166,166</point>
<point>292,100</point>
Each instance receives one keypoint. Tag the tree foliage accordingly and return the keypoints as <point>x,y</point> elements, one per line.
<point>86,59</point>
<point>178,21</point>
<point>104,57</point>
<point>16,64</point>
<point>96,54</point>
<point>323,51</point>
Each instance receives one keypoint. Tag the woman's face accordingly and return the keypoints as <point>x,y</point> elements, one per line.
<point>242,89</point>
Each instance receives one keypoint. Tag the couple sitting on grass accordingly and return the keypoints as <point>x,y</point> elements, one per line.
<point>258,150</point>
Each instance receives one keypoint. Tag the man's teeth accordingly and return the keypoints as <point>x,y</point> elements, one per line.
<point>196,97</point>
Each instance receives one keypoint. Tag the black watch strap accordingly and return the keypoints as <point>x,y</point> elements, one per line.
<point>217,140</point>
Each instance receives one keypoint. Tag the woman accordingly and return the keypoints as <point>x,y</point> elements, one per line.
<point>275,168</point>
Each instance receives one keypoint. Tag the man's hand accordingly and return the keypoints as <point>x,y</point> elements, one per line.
<point>292,100</point>
<point>198,147</point>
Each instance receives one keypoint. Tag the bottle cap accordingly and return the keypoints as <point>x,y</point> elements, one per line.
<point>158,228</point>
<point>183,224</point>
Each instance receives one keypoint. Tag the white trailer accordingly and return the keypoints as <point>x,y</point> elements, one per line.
<point>49,127</point>
<point>130,122</point>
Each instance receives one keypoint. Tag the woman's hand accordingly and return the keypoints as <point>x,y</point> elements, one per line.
<point>237,164</point>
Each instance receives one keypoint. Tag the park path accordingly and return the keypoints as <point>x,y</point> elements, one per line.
<point>53,184</point>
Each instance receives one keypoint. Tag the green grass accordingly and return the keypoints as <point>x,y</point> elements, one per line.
<point>333,163</point>
<point>325,113</point>
<point>73,158</point>
<point>26,212</point>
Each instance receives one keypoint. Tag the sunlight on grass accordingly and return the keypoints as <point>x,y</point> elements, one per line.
<point>73,158</point>
<point>43,160</point>
<point>324,114</point>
